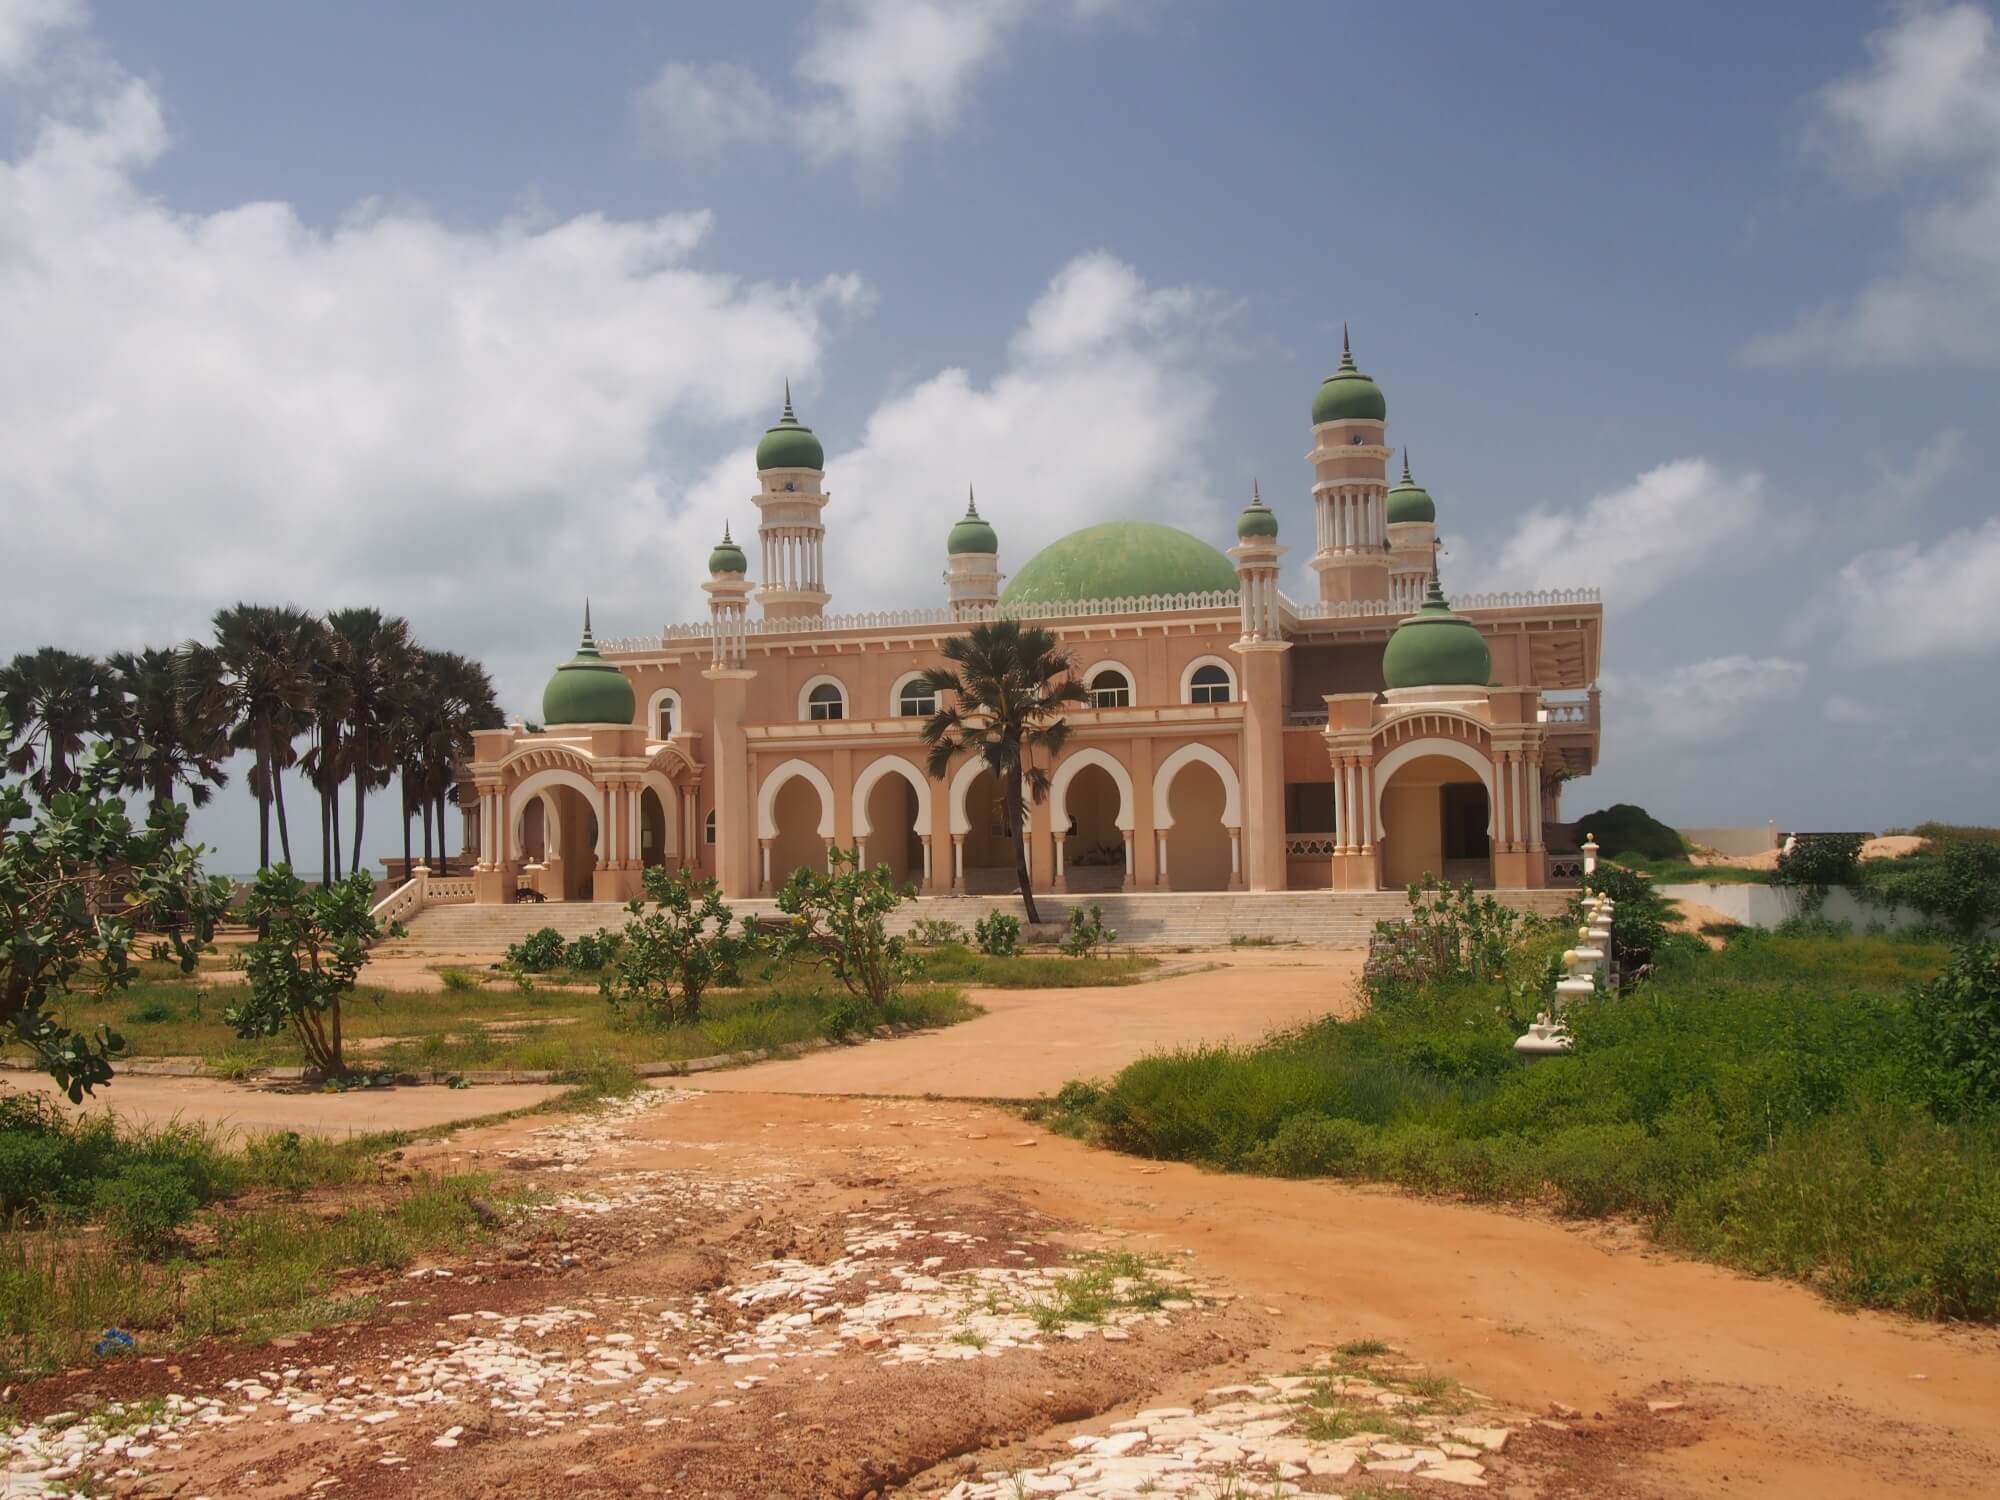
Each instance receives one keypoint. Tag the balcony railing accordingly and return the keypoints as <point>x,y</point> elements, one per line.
<point>1567,712</point>
<point>1309,845</point>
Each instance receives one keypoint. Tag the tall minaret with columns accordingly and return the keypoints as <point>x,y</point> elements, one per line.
<point>791,494</point>
<point>973,573</point>
<point>728,597</point>
<point>1260,857</point>
<point>1412,516</point>
<point>1350,484</point>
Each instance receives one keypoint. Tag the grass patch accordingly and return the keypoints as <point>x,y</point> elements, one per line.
<point>1767,1106</point>
<point>954,963</point>
<point>1104,1282</point>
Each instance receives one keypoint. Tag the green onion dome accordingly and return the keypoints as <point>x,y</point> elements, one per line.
<point>1436,648</point>
<point>790,444</point>
<point>1347,395</point>
<point>587,689</point>
<point>972,533</point>
<point>1121,560</point>
<point>1258,519</point>
<point>1408,501</point>
<point>727,556</point>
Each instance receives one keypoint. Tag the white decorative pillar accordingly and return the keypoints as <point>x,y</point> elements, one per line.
<point>1126,883</point>
<point>1236,856</point>
<point>764,848</point>
<point>1341,813</point>
<point>1161,839</point>
<point>1059,858</point>
<point>958,861</point>
<point>925,840</point>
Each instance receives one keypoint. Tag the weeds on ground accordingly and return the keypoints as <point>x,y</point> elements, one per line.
<point>1104,1283</point>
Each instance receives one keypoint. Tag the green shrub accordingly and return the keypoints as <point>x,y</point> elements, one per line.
<point>537,953</point>
<point>145,1206</point>
<point>1957,1032</point>
<point>1314,1145</point>
<point>998,934</point>
<point>1816,862</point>
<point>593,950</point>
<point>844,1018</point>
<point>671,955</point>
<point>936,932</point>
<point>1087,932</point>
<point>1952,880</point>
<point>1625,829</point>
<point>459,981</point>
<point>841,922</point>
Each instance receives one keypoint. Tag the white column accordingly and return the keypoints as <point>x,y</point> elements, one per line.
<point>765,846</point>
<point>958,861</point>
<point>1160,838</point>
<point>1126,883</point>
<point>1364,775</point>
<point>1059,859</point>
<point>1235,854</point>
<point>926,839</point>
<point>1341,815</point>
<point>861,852</point>
<point>1535,806</point>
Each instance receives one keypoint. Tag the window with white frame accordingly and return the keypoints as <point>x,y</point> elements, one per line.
<point>708,827</point>
<point>915,699</point>
<point>1209,684</point>
<point>664,714</point>
<point>1110,688</point>
<point>826,702</point>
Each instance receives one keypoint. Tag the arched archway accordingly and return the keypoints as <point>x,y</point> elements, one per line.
<point>572,817</point>
<point>892,813</point>
<point>1198,815</point>
<point>1434,814</point>
<point>794,820</point>
<point>1090,809</point>
<point>984,850</point>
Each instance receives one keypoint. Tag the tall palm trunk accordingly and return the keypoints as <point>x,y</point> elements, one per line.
<point>325,842</point>
<point>1017,821</point>
<point>361,764</point>
<point>263,798</point>
<point>408,857</point>
<point>277,783</point>
<point>444,842</point>
<point>333,809</point>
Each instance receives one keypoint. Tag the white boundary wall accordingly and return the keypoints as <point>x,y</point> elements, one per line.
<point>1757,838</point>
<point>1770,906</point>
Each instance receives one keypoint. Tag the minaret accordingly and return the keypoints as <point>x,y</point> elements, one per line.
<point>1350,484</point>
<point>1412,518</point>
<point>790,495</point>
<point>728,599</point>
<point>973,574</point>
<point>1257,553</point>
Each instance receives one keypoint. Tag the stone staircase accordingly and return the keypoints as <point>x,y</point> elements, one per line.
<point>1154,919</point>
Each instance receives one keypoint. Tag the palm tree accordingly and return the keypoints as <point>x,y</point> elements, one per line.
<point>159,745</point>
<point>379,659</point>
<point>452,697</point>
<point>54,698</point>
<point>1005,705</point>
<point>325,760</point>
<point>257,679</point>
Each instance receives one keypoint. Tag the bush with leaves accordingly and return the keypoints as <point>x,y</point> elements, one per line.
<point>537,953</point>
<point>936,932</point>
<point>1639,935</point>
<point>1956,1024</point>
<point>593,950</point>
<point>312,942</point>
<point>1952,879</point>
<point>671,953</point>
<point>1452,935</point>
<point>1814,863</point>
<point>1087,932</point>
<point>840,921</point>
<point>998,934</point>
<point>77,879</point>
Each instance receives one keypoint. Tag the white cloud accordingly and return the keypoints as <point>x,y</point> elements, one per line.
<point>471,425</point>
<point>869,76</point>
<point>1899,488</point>
<point>1634,542</point>
<point>1912,603</point>
<point>1703,701</point>
<point>1926,110</point>
<point>1841,709</point>
<point>25,24</point>
<point>699,109</point>
<point>1094,417</point>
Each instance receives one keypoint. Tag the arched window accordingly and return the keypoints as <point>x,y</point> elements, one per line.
<point>916,700</point>
<point>708,827</point>
<point>665,722</point>
<point>1209,684</point>
<point>1110,688</point>
<point>825,702</point>
<point>663,714</point>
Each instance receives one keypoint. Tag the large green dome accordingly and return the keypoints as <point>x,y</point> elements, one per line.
<point>972,532</point>
<point>790,444</point>
<point>1409,501</point>
<point>1347,395</point>
<point>587,689</point>
<point>1436,648</point>
<point>1121,560</point>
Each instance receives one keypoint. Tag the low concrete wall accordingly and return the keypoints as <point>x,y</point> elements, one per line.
<point>1770,906</point>
<point>1758,838</point>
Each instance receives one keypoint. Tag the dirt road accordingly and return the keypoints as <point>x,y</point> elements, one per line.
<point>754,1291</point>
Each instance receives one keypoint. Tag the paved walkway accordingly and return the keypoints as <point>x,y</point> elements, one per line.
<point>1032,1042</point>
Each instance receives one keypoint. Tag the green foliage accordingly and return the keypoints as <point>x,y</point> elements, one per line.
<point>936,932</point>
<point>593,950</point>
<point>1957,1032</point>
<point>1953,880</point>
<point>1819,1107</point>
<point>1815,863</point>
<point>77,881</point>
<point>671,954</point>
<point>998,934</point>
<point>1639,933</point>
<point>1454,936</point>
<point>840,922</point>
<point>312,941</point>
<point>537,953</point>
<point>1087,932</point>
<point>956,964</point>
<point>459,981</point>
<point>145,1206</point>
<point>1625,829</point>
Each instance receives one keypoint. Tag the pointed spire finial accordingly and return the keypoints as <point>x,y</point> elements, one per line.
<point>1256,495</point>
<point>725,535</point>
<point>586,615</point>
<point>788,417</point>
<point>1406,467</point>
<point>588,645</point>
<point>971,508</point>
<point>1346,351</point>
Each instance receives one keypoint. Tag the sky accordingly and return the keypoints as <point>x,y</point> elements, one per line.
<point>472,310</point>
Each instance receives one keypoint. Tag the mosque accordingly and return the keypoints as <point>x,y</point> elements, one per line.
<point>1233,738</point>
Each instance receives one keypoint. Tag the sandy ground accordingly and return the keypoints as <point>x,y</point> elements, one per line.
<point>1883,848</point>
<point>1032,1042</point>
<point>757,1291</point>
<point>254,1110</point>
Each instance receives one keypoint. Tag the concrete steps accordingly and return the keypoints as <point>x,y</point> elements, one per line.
<point>1179,919</point>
